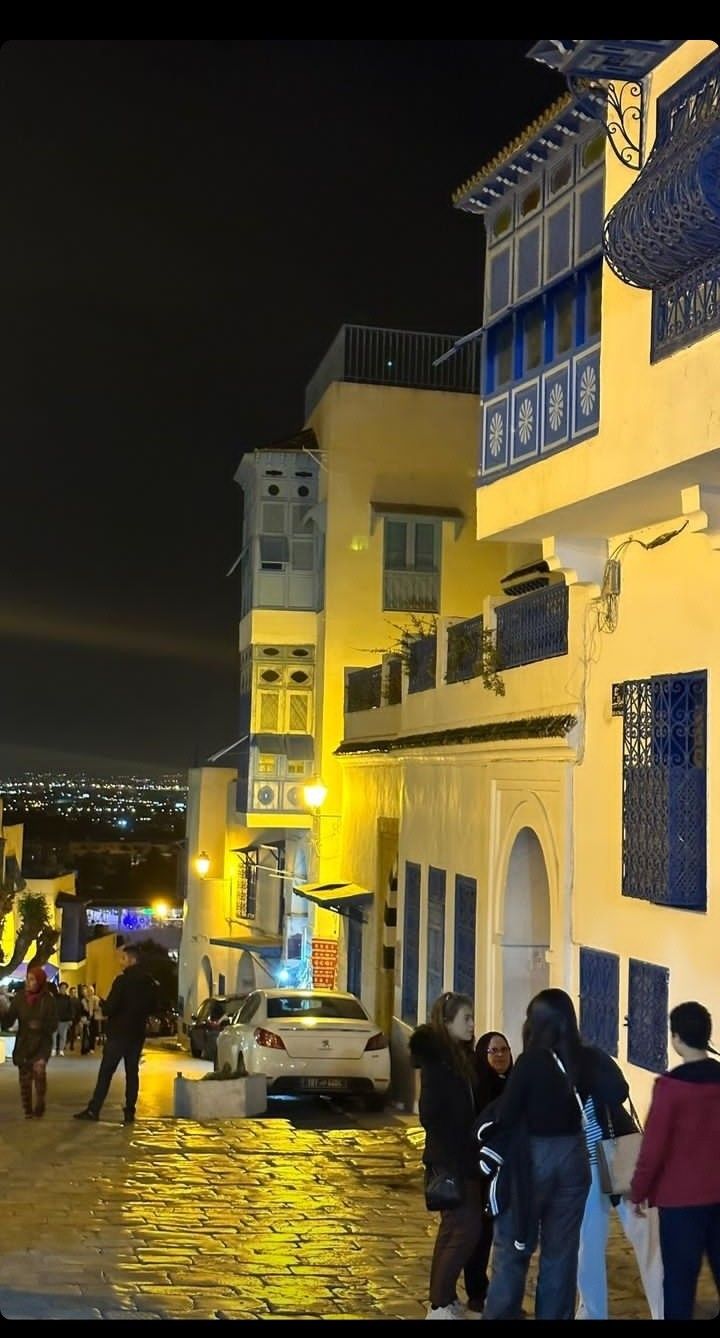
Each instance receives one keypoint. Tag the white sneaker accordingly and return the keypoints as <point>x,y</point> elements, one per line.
<point>445,1311</point>
<point>61,1052</point>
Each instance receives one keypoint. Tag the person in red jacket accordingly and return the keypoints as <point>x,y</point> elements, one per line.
<point>678,1168</point>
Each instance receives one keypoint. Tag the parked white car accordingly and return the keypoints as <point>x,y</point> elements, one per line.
<point>319,1041</point>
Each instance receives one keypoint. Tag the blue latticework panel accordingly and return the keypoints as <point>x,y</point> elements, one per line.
<point>648,1015</point>
<point>435,935</point>
<point>664,233</point>
<point>411,944</point>
<point>354,956</point>
<point>533,627</point>
<point>423,660</point>
<point>664,790</point>
<point>465,922</point>
<point>464,649</point>
<point>600,998</point>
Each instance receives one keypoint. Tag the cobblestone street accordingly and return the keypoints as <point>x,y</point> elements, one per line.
<point>252,1219</point>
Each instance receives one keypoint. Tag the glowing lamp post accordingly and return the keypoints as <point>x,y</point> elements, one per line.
<point>202,864</point>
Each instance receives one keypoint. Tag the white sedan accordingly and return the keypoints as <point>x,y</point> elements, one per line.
<point>319,1041</point>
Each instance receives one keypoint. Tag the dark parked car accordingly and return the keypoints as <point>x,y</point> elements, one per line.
<point>211,1016</point>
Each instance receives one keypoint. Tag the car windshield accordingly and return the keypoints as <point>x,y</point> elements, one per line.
<point>315,1005</point>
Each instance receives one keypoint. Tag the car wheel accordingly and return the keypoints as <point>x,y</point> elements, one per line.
<point>377,1101</point>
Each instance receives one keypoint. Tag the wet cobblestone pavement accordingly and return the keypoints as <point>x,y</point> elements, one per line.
<point>244,1219</point>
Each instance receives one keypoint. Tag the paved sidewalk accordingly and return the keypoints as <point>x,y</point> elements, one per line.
<point>245,1219</point>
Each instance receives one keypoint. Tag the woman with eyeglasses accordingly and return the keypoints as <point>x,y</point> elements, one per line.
<point>442,1049</point>
<point>493,1064</point>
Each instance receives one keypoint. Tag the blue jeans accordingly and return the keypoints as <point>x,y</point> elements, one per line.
<point>686,1234</point>
<point>560,1183</point>
<point>592,1269</point>
<point>118,1048</point>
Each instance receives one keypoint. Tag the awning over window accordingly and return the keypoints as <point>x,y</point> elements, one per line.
<point>344,898</point>
<point>268,743</point>
<point>246,937</point>
<point>411,509</point>
<point>296,747</point>
<point>299,747</point>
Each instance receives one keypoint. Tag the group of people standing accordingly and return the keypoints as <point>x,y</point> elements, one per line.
<point>540,1119</point>
<point>45,1017</point>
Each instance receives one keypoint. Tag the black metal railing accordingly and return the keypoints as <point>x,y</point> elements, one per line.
<point>370,354</point>
<point>533,627</point>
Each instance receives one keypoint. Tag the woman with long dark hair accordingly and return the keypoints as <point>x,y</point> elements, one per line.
<point>541,1102</point>
<point>443,1052</point>
<point>493,1066</point>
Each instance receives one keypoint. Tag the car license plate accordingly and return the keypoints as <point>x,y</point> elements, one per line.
<point>327,1084</point>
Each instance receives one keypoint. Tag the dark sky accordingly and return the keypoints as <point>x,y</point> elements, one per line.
<point>184,226</point>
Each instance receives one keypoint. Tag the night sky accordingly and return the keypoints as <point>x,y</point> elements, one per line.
<point>184,226</point>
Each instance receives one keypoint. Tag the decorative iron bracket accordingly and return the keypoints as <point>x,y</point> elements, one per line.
<point>619,107</point>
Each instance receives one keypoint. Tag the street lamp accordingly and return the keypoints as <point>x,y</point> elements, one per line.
<point>202,864</point>
<point>315,794</point>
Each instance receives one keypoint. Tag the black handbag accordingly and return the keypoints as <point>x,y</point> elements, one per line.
<point>443,1189</point>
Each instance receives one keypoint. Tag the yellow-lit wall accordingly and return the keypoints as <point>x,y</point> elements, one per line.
<point>388,444</point>
<point>653,417</point>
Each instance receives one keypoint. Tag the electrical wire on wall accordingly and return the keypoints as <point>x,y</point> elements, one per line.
<point>606,605</point>
<point>602,614</point>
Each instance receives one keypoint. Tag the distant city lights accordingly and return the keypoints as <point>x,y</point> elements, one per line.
<point>126,802</point>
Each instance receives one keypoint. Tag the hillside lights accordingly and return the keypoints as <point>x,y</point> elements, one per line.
<point>202,864</point>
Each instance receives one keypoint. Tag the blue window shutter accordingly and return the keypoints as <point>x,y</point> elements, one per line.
<point>499,291</point>
<point>599,998</point>
<point>648,1015</point>
<point>558,241</point>
<point>590,218</point>
<point>411,944</point>
<point>465,931</point>
<point>435,935</point>
<point>665,790</point>
<point>527,279</point>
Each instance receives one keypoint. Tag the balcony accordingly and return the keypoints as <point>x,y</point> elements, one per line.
<point>458,684</point>
<point>370,355</point>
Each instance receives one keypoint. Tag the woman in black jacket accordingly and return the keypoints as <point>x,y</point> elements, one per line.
<point>442,1050</point>
<point>493,1065</point>
<point>541,1103</point>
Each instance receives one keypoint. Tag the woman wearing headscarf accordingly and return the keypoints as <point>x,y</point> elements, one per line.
<point>493,1064</point>
<point>35,1011</point>
<point>442,1049</point>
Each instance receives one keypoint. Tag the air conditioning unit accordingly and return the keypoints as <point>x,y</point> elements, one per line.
<point>294,797</point>
<point>536,576</point>
<point>265,795</point>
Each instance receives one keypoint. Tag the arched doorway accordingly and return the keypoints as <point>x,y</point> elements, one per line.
<point>526,932</point>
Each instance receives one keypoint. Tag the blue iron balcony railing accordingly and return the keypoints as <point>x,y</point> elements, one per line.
<point>369,354</point>
<point>533,627</point>
<point>364,689</point>
<point>423,664</point>
<point>464,650</point>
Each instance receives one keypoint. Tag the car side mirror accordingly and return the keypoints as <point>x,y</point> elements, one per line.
<point>193,1017</point>
<point>224,1022</point>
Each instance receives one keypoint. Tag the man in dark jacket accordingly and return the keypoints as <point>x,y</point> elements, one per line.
<point>133,997</point>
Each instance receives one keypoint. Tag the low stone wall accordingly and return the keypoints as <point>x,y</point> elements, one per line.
<point>221,1099</point>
